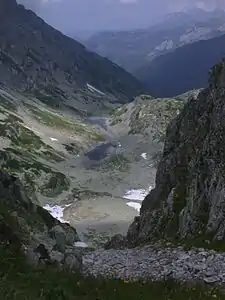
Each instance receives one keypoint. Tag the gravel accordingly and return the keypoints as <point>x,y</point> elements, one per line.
<point>150,263</point>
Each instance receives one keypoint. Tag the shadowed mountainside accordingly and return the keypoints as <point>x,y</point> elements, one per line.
<point>183,69</point>
<point>41,61</point>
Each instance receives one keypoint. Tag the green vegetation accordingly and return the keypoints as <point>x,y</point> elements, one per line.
<point>97,239</point>
<point>25,142</point>
<point>117,114</point>
<point>50,94</point>
<point>19,281</point>
<point>153,116</point>
<point>7,103</point>
<point>84,193</point>
<point>23,156</point>
<point>118,162</point>
<point>58,121</point>
<point>148,115</point>
<point>35,175</point>
<point>56,184</point>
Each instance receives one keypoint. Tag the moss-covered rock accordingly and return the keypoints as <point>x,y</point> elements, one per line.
<point>29,227</point>
<point>36,176</point>
<point>147,115</point>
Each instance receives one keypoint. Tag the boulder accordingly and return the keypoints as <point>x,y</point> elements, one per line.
<point>118,241</point>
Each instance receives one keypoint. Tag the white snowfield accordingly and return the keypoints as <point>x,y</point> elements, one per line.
<point>144,155</point>
<point>137,195</point>
<point>56,211</point>
<point>53,139</point>
<point>93,89</point>
<point>80,244</point>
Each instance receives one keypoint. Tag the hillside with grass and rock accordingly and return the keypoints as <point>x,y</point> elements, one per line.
<point>121,201</point>
<point>41,259</point>
<point>39,60</point>
<point>79,168</point>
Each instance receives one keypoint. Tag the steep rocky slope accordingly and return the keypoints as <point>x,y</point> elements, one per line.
<point>29,228</point>
<point>34,139</point>
<point>39,259</point>
<point>132,49</point>
<point>188,199</point>
<point>147,115</point>
<point>183,69</point>
<point>80,172</point>
<point>41,61</point>
<point>142,123</point>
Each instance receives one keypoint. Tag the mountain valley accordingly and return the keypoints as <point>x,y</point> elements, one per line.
<point>133,49</point>
<point>110,187</point>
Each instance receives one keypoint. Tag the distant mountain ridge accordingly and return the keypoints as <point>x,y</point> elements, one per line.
<point>184,69</point>
<point>40,60</point>
<point>135,48</point>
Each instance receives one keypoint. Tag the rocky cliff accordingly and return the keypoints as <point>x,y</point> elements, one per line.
<point>29,228</point>
<point>188,201</point>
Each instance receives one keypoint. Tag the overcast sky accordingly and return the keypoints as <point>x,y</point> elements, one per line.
<point>76,15</point>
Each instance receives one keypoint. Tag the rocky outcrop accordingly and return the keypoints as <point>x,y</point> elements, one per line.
<point>33,230</point>
<point>188,200</point>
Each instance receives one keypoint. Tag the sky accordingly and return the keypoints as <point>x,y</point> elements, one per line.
<point>96,15</point>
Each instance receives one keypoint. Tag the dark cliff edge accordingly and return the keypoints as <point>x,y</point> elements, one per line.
<point>188,201</point>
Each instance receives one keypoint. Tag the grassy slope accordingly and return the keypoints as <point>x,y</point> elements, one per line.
<point>20,281</point>
<point>56,68</point>
<point>26,153</point>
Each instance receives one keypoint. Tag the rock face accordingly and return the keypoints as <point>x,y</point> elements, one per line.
<point>55,68</point>
<point>32,229</point>
<point>189,196</point>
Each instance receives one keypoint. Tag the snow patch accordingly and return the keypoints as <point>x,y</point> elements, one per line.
<point>144,155</point>
<point>56,211</point>
<point>93,89</point>
<point>80,245</point>
<point>34,131</point>
<point>137,195</point>
<point>53,139</point>
<point>135,205</point>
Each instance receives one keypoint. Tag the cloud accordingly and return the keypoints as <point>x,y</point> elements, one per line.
<point>76,15</point>
<point>36,5</point>
<point>128,1</point>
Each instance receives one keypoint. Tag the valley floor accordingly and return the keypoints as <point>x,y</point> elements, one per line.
<point>51,147</point>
